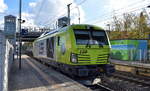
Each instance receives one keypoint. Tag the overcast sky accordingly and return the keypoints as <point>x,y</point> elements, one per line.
<point>46,12</point>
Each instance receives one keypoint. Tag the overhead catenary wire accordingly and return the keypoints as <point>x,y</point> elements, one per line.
<point>106,19</point>
<point>109,18</point>
<point>118,14</point>
<point>110,13</point>
<point>54,16</point>
<point>53,19</point>
<point>114,10</point>
<point>39,10</point>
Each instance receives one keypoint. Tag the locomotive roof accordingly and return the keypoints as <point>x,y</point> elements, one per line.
<point>75,26</point>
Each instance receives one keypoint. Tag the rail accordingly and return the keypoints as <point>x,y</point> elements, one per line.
<point>145,81</point>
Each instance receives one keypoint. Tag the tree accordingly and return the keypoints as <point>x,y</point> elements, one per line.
<point>130,26</point>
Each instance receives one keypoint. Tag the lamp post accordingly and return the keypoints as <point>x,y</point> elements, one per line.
<point>108,28</point>
<point>69,12</point>
<point>20,43</point>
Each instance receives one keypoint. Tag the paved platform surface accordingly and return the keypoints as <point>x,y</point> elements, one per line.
<point>36,77</point>
<point>131,63</point>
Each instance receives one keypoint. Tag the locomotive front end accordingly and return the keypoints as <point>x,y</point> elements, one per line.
<point>91,51</point>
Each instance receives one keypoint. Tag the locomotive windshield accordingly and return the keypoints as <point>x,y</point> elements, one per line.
<point>90,37</point>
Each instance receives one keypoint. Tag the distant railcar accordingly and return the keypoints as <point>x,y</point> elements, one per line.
<point>79,50</point>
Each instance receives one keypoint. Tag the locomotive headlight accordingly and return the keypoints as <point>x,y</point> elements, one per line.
<point>74,58</point>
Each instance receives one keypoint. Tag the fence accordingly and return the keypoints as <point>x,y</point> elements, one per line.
<point>6,59</point>
<point>148,56</point>
<point>139,55</point>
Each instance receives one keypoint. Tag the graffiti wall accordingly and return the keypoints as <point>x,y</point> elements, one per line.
<point>129,50</point>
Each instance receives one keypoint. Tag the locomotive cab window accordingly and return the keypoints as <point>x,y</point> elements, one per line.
<point>99,37</point>
<point>82,37</point>
<point>93,37</point>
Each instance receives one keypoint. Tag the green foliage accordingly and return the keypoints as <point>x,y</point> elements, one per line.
<point>130,26</point>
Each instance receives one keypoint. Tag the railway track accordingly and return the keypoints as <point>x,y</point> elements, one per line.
<point>134,75</point>
<point>100,87</point>
<point>130,82</point>
<point>145,81</point>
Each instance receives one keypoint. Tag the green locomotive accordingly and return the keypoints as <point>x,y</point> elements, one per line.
<point>79,50</point>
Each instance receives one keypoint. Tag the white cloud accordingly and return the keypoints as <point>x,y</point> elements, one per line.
<point>29,21</point>
<point>125,6</point>
<point>32,4</point>
<point>46,12</point>
<point>117,8</point>
<point>3,6</point>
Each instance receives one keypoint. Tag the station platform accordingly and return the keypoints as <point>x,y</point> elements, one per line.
<point>34,76</point>
<point>132,66</point>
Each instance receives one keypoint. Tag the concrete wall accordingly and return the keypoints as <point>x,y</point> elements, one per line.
<point>2,40</point>
<point>6,59</point>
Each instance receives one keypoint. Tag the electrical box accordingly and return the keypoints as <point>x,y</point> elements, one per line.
<point>62,22</point>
